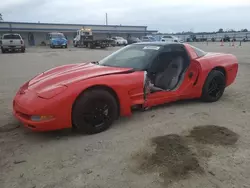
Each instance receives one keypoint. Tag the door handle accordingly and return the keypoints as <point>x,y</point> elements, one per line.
<point>190,75</point>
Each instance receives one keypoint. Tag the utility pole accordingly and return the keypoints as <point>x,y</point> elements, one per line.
<point>106,18</point>
<point>1,17</point>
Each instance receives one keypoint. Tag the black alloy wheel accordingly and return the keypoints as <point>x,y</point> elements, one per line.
<point>94,111</point>
<point>214,86</point>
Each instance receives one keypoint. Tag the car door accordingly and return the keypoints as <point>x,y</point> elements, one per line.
<point>184,90</point>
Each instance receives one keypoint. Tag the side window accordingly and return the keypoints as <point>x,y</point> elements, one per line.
<point>161,62</point>
<point>169,53</point>
<point>199,52</point>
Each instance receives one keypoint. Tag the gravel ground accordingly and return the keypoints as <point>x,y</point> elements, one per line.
<point>184,144</point>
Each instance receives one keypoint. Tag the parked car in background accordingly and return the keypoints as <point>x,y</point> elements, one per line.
<point>148,39</point>
<point>245,39</point>
<point>226,38</point>
<point>132,40</point>
<point>120,41</point>
<point>57,40</point>
<point>112,42</point>
<point>169,38</point>
<point>12,42</point>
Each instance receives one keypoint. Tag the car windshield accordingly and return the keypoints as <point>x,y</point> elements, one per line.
<point>152,38</point>
<point>57,35</point>
<point>133,56</point>
<point>11,36</point>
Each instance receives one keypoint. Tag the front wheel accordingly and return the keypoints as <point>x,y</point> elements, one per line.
<point>214,86</point>
<point>94,111</point>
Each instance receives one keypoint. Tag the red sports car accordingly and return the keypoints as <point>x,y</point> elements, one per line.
<point>90,96</point>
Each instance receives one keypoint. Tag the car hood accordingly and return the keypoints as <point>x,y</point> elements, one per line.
<point>67,74</point>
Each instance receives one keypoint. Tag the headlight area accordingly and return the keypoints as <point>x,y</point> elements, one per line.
<point>37,118</point>
<point>51,92</point>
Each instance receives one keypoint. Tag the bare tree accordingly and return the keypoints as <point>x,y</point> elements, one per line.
<point>244,30</point>
<point>221,30</point>
<point>1,17</point>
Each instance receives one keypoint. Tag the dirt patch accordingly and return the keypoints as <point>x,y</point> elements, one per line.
<point>212,134</point>
<point>172,158</point>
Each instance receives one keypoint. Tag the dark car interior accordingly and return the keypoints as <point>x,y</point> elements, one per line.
<point>167,70</point>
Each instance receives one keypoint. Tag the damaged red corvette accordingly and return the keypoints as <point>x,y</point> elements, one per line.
<point>90,96</point>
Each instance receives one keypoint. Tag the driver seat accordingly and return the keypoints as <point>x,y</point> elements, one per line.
<point>168,79</point>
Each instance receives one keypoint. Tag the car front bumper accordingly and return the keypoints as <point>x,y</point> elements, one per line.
<point>29,105</point>
<point>59,44</point>
<point>12,47</point>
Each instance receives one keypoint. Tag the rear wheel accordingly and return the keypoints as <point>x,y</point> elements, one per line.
<point>23,50</point>
<point>214,86</point>
<point>94,111</point>
<point>91,45</point>
<point>3,50</point>
<point>103,46</point>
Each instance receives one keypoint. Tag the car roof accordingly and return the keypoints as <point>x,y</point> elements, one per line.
<point>55,33</point>
<point>11,34</point>
<point>158,43</point>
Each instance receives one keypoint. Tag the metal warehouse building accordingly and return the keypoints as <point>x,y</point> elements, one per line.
<point>36,33</point>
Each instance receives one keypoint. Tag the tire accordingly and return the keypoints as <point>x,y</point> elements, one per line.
<point>100,109</point>
<point>23,50</point>
<point>66,46</point>
<point>3,50</point>
<point>90,46</point>
<point>214,86</point>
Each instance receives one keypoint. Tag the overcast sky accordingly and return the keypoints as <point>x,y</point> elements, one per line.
<point>162,15</point>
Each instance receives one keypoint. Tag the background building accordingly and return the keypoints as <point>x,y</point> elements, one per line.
<point>216,36</point>
<point>36,33</point>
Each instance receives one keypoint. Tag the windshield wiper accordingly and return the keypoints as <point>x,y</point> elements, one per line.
<point>95,62</point>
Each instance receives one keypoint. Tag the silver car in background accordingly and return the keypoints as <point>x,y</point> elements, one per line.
<point>12,42</point>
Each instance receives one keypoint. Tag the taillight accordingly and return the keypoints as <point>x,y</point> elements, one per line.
<point>21,41</point>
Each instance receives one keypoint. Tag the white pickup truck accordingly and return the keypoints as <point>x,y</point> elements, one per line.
<point>12,42</point>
